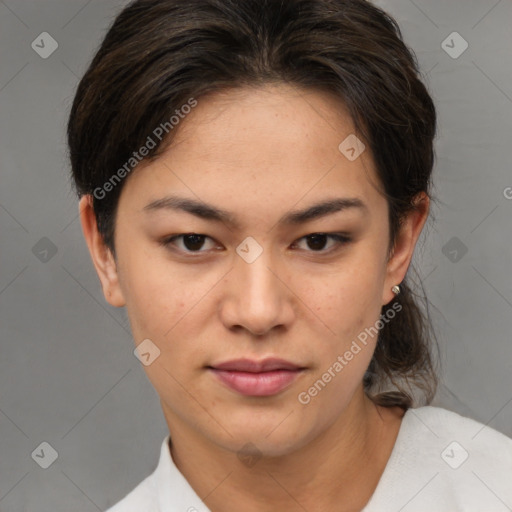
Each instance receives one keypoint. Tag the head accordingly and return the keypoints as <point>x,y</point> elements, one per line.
<point>259,127</point>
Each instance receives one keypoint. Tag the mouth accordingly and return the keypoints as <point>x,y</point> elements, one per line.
<point>257,378</point>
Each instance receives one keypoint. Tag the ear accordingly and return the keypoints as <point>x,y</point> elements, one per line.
<point>403,250</point>
<point>102,258</point>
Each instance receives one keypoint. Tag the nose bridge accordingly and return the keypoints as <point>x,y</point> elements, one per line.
<point>256,280</point>
<point>258,294</point>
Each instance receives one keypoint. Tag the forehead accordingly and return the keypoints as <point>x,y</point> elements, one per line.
<point>257,147</point>
<point>273,121</point>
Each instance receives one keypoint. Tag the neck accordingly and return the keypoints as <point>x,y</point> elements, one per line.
<point>337,470</point>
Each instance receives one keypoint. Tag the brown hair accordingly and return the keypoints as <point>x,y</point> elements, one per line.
<point>158,54</point>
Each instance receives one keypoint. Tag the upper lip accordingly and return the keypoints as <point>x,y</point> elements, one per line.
<point>250,365</point>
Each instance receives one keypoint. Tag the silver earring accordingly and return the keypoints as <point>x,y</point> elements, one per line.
<point>396,289</point>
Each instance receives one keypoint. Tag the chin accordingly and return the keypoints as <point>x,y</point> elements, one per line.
<point>269,437</point>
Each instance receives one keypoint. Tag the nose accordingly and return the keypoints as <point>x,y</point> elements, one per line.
<point>258,300</point>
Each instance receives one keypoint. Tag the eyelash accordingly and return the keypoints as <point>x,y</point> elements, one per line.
<point>339,238</point>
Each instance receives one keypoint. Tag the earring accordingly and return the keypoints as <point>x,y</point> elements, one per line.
<point>396,289</point>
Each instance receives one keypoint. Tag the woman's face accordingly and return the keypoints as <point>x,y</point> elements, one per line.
<point>255,285</point>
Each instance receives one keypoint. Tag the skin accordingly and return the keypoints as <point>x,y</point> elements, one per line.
<point>260,153</point>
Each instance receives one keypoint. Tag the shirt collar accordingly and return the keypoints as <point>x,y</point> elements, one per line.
<point>174,491</point>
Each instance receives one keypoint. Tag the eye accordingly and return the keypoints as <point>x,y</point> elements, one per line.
<point>191,242</point>
<point>317,241</point>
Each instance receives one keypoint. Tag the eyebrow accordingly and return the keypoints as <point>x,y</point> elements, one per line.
<point>295,217</point>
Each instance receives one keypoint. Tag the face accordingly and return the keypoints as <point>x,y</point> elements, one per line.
<point>263,275</point>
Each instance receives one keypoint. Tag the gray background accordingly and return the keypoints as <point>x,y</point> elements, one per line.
<point>68,375</point>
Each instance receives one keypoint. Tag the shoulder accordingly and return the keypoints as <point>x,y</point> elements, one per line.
<point>482,443</point>
<point>446,462</point>
<point>455,441</point>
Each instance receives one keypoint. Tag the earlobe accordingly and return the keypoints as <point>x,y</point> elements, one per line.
<point>102,257</point>
<point>405,244</point>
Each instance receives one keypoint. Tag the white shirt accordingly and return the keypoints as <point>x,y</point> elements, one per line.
<point>441,462</point>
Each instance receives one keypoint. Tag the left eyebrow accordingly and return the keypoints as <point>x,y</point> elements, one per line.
<point>212,213</point>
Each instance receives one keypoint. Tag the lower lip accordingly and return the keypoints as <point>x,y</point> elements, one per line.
<point>257,384</point>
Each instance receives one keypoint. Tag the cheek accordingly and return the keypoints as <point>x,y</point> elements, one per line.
<point>350,305</point>
<point>156,295</point>
<point>164,311</point>
<point>171,308</point>
<point>348,301</point>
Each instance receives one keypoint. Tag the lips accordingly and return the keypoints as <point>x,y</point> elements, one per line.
<point>248,365</point>
<point>257,378</point>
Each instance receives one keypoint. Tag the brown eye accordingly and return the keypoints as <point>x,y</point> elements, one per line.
<point>316,242</point>
<point>193,242</point>
<point>190,242</point>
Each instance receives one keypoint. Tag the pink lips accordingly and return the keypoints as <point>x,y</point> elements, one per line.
<point>257,378</point>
